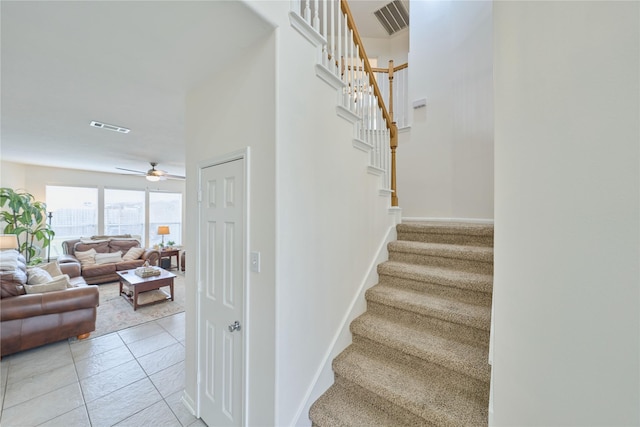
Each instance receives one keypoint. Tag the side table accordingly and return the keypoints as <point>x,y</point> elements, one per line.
<point>168,253</point>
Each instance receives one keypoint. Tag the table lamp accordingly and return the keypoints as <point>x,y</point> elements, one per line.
<point>9,241</point>
<point>163,230</point>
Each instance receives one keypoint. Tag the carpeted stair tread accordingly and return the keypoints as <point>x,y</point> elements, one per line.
<point>443,250</point>
<point>433,399</point>
<point>438,275</point>
<point>338,407</point>
<point>447,232</point>
<point>457,356</point>
<point>475,316</point>
<point>474,229</point>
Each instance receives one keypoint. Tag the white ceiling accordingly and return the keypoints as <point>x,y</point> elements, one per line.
<point>126,63</point>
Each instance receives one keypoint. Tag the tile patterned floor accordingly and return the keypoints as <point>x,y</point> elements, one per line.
<point>133,377</point>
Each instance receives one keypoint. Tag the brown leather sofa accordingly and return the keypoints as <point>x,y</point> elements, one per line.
<point>32,320</point>
<point>104,273</point>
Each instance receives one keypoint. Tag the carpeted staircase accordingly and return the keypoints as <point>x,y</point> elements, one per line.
<point>420,351</point>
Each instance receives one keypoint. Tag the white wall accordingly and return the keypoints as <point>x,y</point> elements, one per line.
<point>395,47</point>
<point>567,280</point>
<point>445,162</point>
<point>330,222</point>
<point>12,175</point>
<point>330,219</point>
<point>233,110</point>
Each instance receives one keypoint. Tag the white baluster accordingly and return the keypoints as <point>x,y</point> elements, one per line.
<point>339,42</point>
<point>370,108</point>
<point>333,34</point>
<point>347,64</point>
<point>397,97</point>
<point>376,133</point>
<point>316,16</point>
<point>372,141</point>
<point>379,134</point>
<point>324,32</point>
<point>386,159</point>
<point>346,50</point>
<point>383,157</point>
<point>389,160</point>
<point>377,148</point>
<point>405,96</point>
<point>354,78</point>
<point>358,83</point>
<point>307,12</point>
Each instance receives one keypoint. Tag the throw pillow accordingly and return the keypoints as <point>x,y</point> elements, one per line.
<point>87,257</point>
<point>108,258</point>
<point>59,283</point>
<point>64,278</point>
<point>52,268</point>
<point>133,254</point>
<point>8,260</point>
<point>37,276</point>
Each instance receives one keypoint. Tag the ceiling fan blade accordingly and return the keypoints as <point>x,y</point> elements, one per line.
<point>159,173</point>
<point>171,176</point>
<point>131,170</point>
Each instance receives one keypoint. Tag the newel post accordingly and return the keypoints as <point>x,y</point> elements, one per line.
<point>393,140</point>
<point>394,145</point>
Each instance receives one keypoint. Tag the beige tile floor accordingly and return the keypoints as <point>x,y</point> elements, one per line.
<point>133,377</point>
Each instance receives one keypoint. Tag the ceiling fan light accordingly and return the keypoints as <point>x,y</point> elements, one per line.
<point>153,178</point>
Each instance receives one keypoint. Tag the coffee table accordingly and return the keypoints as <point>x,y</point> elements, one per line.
<point>143,284</point>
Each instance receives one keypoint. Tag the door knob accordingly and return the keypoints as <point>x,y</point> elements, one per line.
<point>234,326</point>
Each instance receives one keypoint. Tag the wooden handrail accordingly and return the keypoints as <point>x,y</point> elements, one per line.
<point>391,125</point>
<point>367,67</point>
<point>386,70</point>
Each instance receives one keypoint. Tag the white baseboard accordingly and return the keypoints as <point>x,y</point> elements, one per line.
<point>189,403</point>
<point>323,378</point>
<point>470,220</point>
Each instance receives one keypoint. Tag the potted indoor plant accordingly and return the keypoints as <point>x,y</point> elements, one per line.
<point>25,217</point>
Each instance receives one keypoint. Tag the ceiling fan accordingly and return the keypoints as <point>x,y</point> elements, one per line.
<point>154,174</point>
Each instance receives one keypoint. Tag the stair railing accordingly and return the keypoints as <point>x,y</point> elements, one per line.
<point>393,84</point>
<point>344,57</point>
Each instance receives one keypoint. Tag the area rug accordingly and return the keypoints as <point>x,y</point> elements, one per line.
<point>115,313</point>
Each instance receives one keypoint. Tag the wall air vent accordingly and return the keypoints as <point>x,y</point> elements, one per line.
<point>109,127</point>
<point>393,17</point>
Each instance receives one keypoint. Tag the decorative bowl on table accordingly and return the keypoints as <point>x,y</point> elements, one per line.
<point>147,271</point>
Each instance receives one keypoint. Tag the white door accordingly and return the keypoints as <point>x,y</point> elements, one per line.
<point>221,270</point>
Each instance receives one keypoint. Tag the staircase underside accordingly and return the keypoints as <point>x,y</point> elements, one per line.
<point>420,352</point>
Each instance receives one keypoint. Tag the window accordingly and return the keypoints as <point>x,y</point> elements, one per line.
<point>165,209</point>
<point>81,212</point>
<point>124,212</point>
<point>74,214</point>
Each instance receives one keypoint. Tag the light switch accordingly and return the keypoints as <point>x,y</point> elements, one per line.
<point>255,262</point>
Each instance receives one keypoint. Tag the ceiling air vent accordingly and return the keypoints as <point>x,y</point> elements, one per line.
<point>109,127</point>
<point>393,17</point>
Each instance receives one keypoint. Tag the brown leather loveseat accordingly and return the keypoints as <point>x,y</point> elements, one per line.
<point>95,272</point>
<point>30,320</point>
